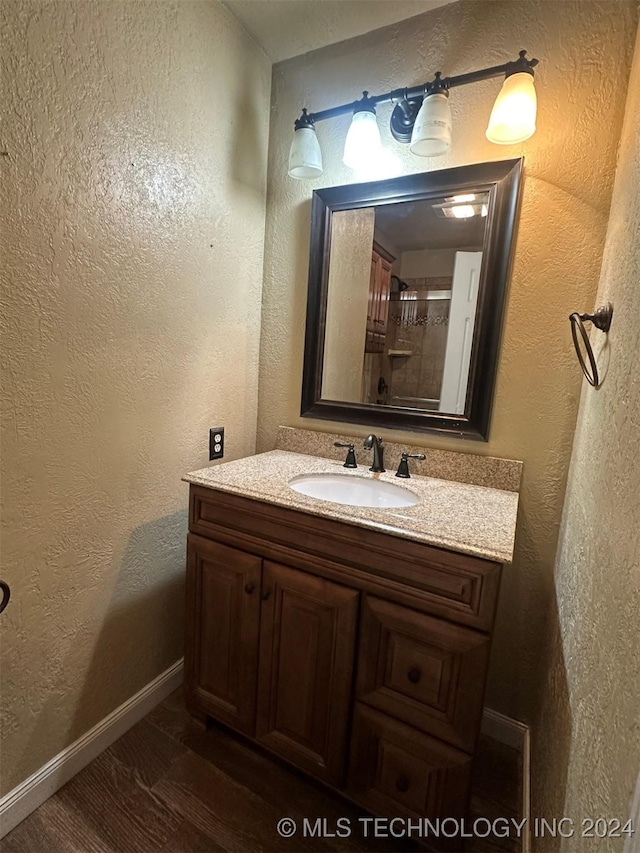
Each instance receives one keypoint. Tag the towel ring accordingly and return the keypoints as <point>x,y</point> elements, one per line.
<point>6,595</point>
<point>601,319</point>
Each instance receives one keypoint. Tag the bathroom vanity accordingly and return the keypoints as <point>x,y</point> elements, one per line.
<point>352,642</point>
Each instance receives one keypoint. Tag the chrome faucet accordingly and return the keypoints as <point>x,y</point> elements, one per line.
<point>375,442</point>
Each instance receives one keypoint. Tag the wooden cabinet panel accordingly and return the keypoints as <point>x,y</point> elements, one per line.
<point>398,771</point>
<point>422,670</point>
<point>458,587</point>
<point>222,622</point>
<point>307,644</point>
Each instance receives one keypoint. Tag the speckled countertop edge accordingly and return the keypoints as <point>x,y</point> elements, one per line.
<point>460,517</point>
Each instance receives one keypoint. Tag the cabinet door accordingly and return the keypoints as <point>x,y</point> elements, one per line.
<point>425,671</point>
<point>384,289</point>
<point>307,643</point>
<point>398,771</point>
<point>371,301</point>
<point>223,624</point>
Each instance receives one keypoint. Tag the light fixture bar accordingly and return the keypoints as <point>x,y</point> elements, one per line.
<point>401,96</point>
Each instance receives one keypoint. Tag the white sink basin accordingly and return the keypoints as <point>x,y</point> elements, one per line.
<point>352,491</point>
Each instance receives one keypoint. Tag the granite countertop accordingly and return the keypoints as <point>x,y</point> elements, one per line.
<point>457,516</point>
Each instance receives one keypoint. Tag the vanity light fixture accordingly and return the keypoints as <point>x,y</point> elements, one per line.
<point>431,135</point>
<point>421,117</point>
<point>305,156</point>
<point>513,117</point>
<point>363,143</point>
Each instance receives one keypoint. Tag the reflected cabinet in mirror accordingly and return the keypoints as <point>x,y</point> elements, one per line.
<point>407,284</point>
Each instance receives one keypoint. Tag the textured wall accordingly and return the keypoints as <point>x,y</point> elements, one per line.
<point>133,220</point>
<point>570,165</point>
<point>287,28</point>
<point>591,703</point>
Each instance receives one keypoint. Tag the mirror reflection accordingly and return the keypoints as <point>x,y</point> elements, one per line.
<point>402,302</point>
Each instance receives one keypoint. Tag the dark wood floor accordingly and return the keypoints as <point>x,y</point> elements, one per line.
<point>169,786</point>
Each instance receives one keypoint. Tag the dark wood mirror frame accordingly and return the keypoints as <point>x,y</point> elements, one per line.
<point>502,180</point>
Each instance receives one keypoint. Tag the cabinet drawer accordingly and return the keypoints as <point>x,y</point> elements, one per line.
<point>422,670</point>
<point>397,771</point>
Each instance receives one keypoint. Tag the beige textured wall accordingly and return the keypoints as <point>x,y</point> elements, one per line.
<point>347,296</point>
<point>591,715</point>
<point>133,220</point>
<point>570,165</point>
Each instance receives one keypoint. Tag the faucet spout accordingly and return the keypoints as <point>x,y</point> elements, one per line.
<point>375,442</point>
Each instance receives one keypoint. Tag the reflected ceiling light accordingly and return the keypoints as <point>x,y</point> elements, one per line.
<point>458,199</point>
<point>362,145</point>
<point>305,156</point>
<point>476,206</point>
<point>463,211</point>
<point>421,117</point>
<point>513,117</point>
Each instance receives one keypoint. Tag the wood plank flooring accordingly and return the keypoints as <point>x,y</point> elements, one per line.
<point>170,786</point>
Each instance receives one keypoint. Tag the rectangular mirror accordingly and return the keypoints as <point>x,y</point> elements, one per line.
<point>407,282</point>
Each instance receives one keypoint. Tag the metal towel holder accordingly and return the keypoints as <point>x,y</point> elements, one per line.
<point>6,595</point>
<point>601,319</point>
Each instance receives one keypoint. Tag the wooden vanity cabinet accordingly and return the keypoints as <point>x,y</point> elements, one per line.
<point>357,656</point>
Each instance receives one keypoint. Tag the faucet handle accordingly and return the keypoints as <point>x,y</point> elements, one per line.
<point>350,461</point>
<point>403,467</point>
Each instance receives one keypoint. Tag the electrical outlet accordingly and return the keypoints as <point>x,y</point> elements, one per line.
<point>216,443</point>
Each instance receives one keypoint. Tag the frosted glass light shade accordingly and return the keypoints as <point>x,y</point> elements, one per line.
<point>362,145</point>
<point>431,135</point>
<point>513,117</point>
<point>305,156</point>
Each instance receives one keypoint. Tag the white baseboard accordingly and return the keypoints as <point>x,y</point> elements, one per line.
<point>26,797</point>
<point>518,736</point>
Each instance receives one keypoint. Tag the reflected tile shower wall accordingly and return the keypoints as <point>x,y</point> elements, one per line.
<point>418,323</point>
